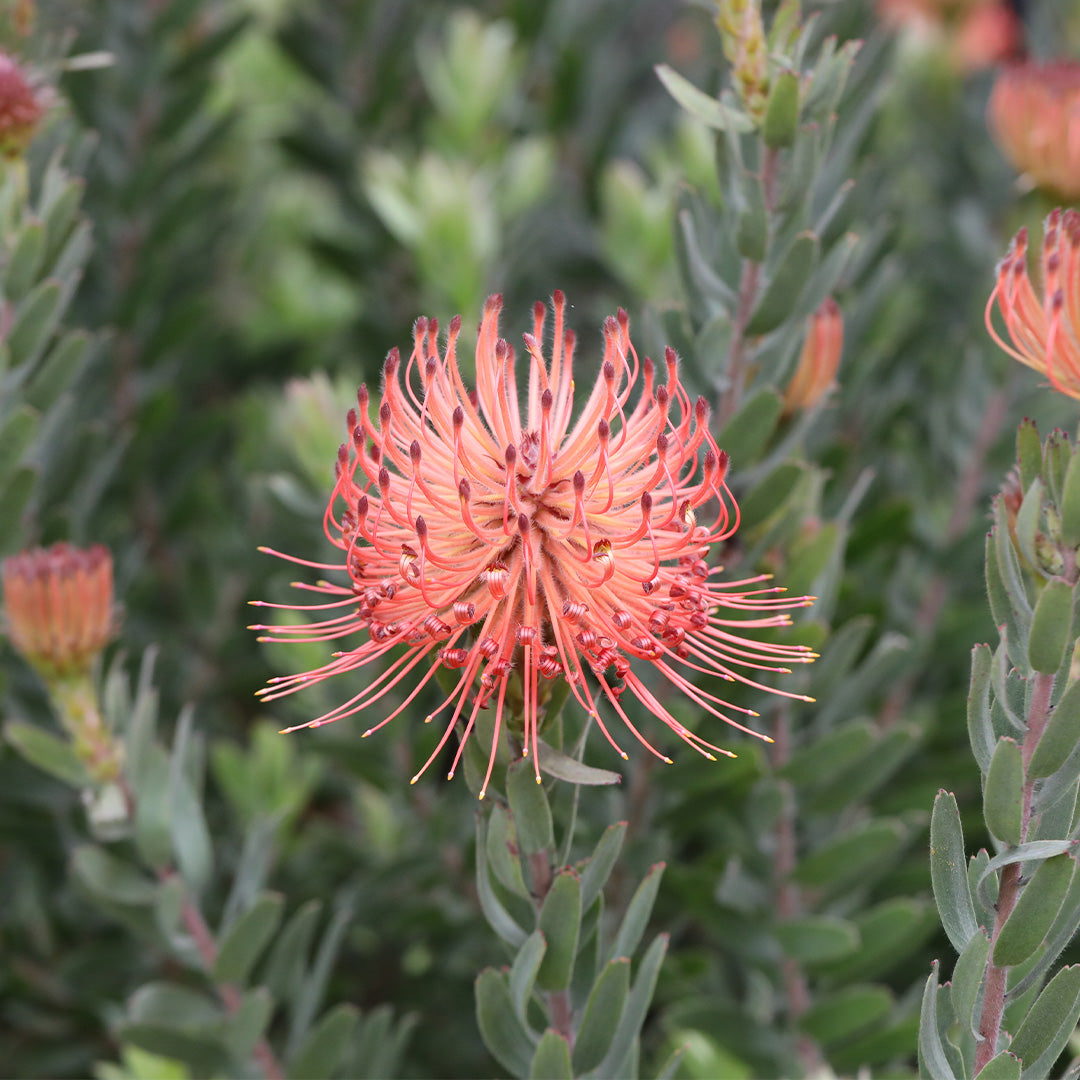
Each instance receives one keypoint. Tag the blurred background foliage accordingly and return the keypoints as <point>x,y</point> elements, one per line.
<point>263,195</point>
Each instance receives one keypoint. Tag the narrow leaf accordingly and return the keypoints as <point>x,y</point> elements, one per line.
<point>1050,627</point>
<point>1047,1027</point>
<point>1060,736</point>
<point>326,1044</point>
<point>243,943</point>
<point>637,913</point>
<point>529,805</point>
<point>509,1040</point>
<point>948,873</point>
<point>598,869</point>
<point>933,1064</point>
<point>524,969</point>
<point>700,105</point>
<point>560,922</point>
<point>555,763</point>
<point>1030,921</point>
<point>602,1013</point>
<point>1003,795</point>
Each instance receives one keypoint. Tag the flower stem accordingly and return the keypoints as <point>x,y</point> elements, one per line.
<point>229,994</point>
<point>748,292</point>
<point>1009,889</point>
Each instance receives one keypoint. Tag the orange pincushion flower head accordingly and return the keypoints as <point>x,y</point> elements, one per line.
<point>1045,332</point>
<point>20,108</point>
<point>58,606</point>
<point>1034,113</point>
<point>536,546</point>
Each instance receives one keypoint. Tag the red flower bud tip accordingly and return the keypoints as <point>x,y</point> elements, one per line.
<point>819,360</point>
<point>20,108</point>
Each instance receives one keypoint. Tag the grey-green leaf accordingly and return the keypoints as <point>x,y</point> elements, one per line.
<point>1051,627</point>
<point>948,872</point>
<point>1059,737</point>
<point>1003,794</point>
<point>529,805</point>
<point>1047,1027</point>
<point>322,1050</point>
<point>702,106</point>
<point>503,1032</point>
<point>552,1058</point>
<point>243,943</point>
<point>602,1013</point>
<point>560,921</point>
<point>1030,921</point>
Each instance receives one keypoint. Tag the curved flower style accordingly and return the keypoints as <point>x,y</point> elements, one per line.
<point>543,546</point>
<point>1045,333</point>
<point>1034,113</point>
<point>815,373</point>
<point>58,606</point>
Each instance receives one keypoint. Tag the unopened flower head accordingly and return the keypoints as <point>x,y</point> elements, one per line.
<point>20,108</point>
<point>819,360</point>
<point>58,606</point>
<point>534,545</point>
<point>1034,113</point>
<point>1044,331</point>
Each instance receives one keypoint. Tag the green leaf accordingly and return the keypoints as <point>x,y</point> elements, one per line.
<point>153,829</point>
<point>25,262</point>
<point>176,1022</point>
<point>35,320</point>
<point>746,434</point>
<point>1006,1066</point>
<point>752,226</point>
<point>109,878</point>
<point>637,913</point>
<point>1029,452</point>
<point>1051,627</point>
<point>1003,796</point>
<point>888,933</point>
<point>702,106</point>
<point>1046,1029</point>
<point>948,872</point>
<point>289,957</point>
<point>782,111</point>
<point>529,805</point>
<point>560,922</point>
<point>595,874</point>
<point>504,1034</point>
<point>47,752</point>
<point>967,979</point>
<point>817,938</point>
<point>979,722</point>
<point>190,835</point>
<point>552,1058</point>
<point>16,434</point>
<point>14,498</point>
<point>1027,521</point>
<point>524,970</point>
<point>933,1064</point>
<point>1030,921</point>
<point>835,1017</point>
<point>502,851</point>
<point>1056,457</point>
<point>602,1013</point>
<point>58,372</point>
<point>768,497</point>
<point>500,920</point>
<point>555,763</point>
<point>246,1026</point>
<point>243,943</point>
<point>852,856</point>
<point>1060,736</point>
<point>637,1006</point>
<point>782,292</point>
<point>819,762</point>
<point>1029,851</point>
<point>1069,506</point>
<point>323,1049</point>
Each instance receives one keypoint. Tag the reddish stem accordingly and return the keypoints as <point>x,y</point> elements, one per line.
<point>1009,888</point>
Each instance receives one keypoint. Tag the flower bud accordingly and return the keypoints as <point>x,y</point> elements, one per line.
<point>819,360</point>
<point>1034,114</point>
<point>58,606</point>
<point>20,108</point>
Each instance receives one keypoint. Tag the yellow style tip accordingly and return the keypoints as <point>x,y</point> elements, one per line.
<point>668,761</point>
<point>711,757</point>
<point>539,780</point>
<point>767,738</point>
<point>262,640</point>
<point>807,697</point>
<point>414,779</point>
<point>450,775</point>
<point>366,734</point>
<point>481,795</point>
<point>428,718</point>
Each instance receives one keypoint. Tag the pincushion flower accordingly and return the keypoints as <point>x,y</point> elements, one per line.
<point>1034,113</point>
<point>58,606</point>
<point>1044,331</point>
<point>536,546</point>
